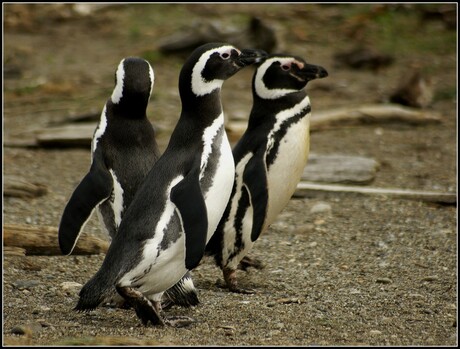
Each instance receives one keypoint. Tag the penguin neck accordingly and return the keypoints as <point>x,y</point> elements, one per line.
<point>204,109</point>
<point>134,109</point>
<point>265,110</point>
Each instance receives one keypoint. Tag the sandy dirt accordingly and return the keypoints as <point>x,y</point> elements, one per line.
<point>368,270</point>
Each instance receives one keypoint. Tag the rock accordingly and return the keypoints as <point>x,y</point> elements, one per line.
<point>70,288</point>
<point>320,207</point>
<point>415,91</point>
<point>375,332</point>
<point>25,284</point>
<point>257,34</point>
<point>21,330</point>
<point>364,58</point>
<point>335,168</point>
<point>384,281</point>
<point>26,329</point>
<point>430,278</point>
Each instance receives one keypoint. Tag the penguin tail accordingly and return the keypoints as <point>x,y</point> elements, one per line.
<point>94,292</point>
<point>183,293</point>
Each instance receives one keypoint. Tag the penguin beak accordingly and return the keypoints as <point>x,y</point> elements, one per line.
<point>310,72</point>
<point>249,56</point>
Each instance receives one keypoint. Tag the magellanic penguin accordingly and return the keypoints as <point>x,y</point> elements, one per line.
<point>123,151</point>
<point>269,159</point>
<point>164,231</point>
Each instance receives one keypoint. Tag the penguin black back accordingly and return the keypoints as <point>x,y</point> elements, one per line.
<point>123,150</point>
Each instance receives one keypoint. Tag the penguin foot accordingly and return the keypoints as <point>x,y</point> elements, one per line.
<point>179,321</point>
<point>232,283</point>
<point>146,311</point>
<point>248,262</point>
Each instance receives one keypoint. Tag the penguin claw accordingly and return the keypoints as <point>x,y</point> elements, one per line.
<point>145,309</point>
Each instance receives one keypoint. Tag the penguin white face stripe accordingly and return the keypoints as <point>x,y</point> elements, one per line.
<point>100,130</point>
<point>200,86</point>
<point>208,136</point>
<point>152,79</point>
<point>117,202</point>
<point>118,90</point>
<point>262,90</point>
<point>281,117</point>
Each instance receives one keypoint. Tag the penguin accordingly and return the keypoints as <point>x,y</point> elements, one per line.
<point>177,208</point>
<point>123,150</point>
<point>269,159</point>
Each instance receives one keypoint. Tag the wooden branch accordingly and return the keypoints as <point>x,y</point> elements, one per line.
<point>43,240</point>
<point>73,135</point>
<point>13,251</point>
<point>371,114</point>
<point>352,116</point>
<point>15,186</point>
<point>81,134</point>
<point>304,188</point>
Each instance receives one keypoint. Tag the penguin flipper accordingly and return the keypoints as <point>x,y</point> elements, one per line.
<point>189,200</point>
<point>255,180</point>
<point>94,188</point>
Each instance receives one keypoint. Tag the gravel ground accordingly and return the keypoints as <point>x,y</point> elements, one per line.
<point>340,269</point>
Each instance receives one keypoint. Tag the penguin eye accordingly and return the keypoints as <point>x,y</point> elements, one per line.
<point>225,55</point>
<point>285,67</point>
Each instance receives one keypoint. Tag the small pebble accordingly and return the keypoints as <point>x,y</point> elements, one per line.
<point>430,278</point>
<point>320,207</point>
<point>384,281</point>
<point>69,285</point>
<point>25,284</point>
<point>21,330</point>
<point>375,332</point>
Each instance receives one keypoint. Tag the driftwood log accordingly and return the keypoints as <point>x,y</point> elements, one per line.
<point>371,114</point>
<point>307,188</point>
<point>74,135</point>
<point>80,134</point>
<point>353,116</point>
<point>14,186</point>
<point>43,240</point>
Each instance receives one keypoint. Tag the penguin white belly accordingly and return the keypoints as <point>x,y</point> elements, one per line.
<point>159,268</point>
<point>231,253</point>
<point>219,193</point>
<point>285,173</point>
<point>154,275</point>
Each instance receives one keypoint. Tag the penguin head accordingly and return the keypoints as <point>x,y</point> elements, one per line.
<point>280,75</point>
<point>211,64</point>
<point>134,81</point>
